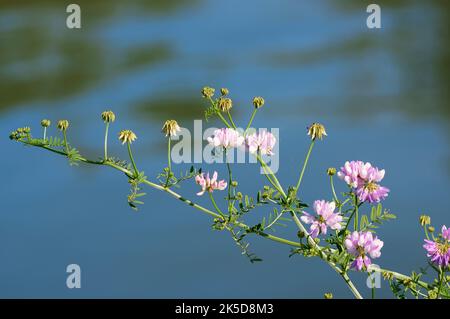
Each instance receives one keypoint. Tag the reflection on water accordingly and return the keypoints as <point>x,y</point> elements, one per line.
<point>383,94</point>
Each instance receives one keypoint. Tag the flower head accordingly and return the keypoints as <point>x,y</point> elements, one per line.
<point>262,142</point>
<point>363,245</point>
<point>316,130</point>
<point>364,178</point>
<point>170,128</point>
<point>45,123</point>
<point>208,92</point>
<point>127,136</point>
<point>439,249</point>
<point>331,171</point>
<point>225,104</point>
<point>108,116</point>
<point>326,217</point>
<point>63,125</point>
<point>226,137</point>
<point>209,184</point>
<point>258,102</point>
<point>424,220</point>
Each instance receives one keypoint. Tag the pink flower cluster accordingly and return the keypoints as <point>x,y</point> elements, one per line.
<point>363,245</point>
<point>439,250</point>
<point>226,137</point>
<point>326,217</point>
<point>262,142</point>
<point>364,178</point>
<point>209,184</point>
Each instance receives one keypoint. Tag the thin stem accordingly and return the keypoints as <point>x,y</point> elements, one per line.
<point>297,187</point>
<point>270,175</point>
<point>231,119</point>
<point>441,280</point>
<point>351,285</point>
<point>215,205</point>
<point>230,180</point>
<point>169,158</point>
<point>106,141</point>
<point>355,223</point>
<point>333,190</point>
<point>66,146</point>
<point>45,133</point>
<point>251,120</point>
<point>136,172</point>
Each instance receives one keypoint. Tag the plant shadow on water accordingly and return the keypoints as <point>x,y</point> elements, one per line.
<point>383,95</point>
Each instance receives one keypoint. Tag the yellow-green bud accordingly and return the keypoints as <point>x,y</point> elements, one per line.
<point>24,130</point>
<point>424,220</point>
<point>224,91</point>
<point>234,184</point>
<point>328,295</point>
<point>432,294</point>
<point>239,195</point>
<point>316,240</point>
<point>45,123</point>
<point>108,116</point>
<point>317,130</point>
<point>387,275</point>
<point>300,234</point>
<point>127,136</point>
<point>431,229</point>
<point>225,104</point>
<point>170,128</point>
<point>331,171</point>
<point>63,125</point>
<point>258,102</point>
<point>208,92</point>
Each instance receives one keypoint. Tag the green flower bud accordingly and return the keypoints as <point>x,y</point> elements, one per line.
<point>258,102</point>
<point>431,229</point>
<point>108,116</point>
<point>63,125</point>
<point>331,171</point>
<point>328,295</point>
<point>424,220</point>
<point>300,234</point>
<point>45,123</point>
<point>224,91</point>
<point>234,184</point>
<point>239,195</point>
<point>208,92</point>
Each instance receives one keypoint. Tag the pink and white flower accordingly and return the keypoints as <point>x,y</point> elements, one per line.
<point>365,179</point>
<point>363,245</point>
<point>439,250</point>
<point>263,142</point>
<point>209,184</point>
<point>326,217</point>
<point>226,138</point>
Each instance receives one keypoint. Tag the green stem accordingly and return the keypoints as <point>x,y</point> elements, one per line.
<point>231,119</point>
<point>215,205</point>
<point>251,120</point>
<point>333,190</point>
<point>355,223</point>
<point>169,161</point>
<point>441,280</point>
<point>230,180</point>
<point>305,163</point>
<point>136,172</point>
<point>106,141</point>
<point>66,146</point>
<point>45,133</point>
<point>270,175</point>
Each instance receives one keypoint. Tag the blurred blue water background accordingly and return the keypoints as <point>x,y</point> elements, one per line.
<point>382,94</point>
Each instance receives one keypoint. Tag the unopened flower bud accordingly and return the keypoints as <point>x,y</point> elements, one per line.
<point>317,130</point>
<point>170,128</point>
<point>225,104</point>
<point>300,234</point>
<point>316,240</point>
<point>127,136</point>
<point>424,220</point>
<point>108,116</point>
<point>234,184</point>
<point>208,92</point>
<point>45,123</point>
<point>328,295</point>
<point>239,195</point>
<point>224,91</point>
<point>258,102</point>
<point>63,125</point>
<point>431,229</point>
<point>331,171</point>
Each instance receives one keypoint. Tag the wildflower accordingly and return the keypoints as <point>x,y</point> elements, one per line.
<point>209,184</point>
<point>224,91</point>
<point>45,123</point>
<point>208,92</point>
<point>331,171</point>
<point>63,125</point>
<point>108,116</point>
<point>262,142</point>
<point>326,217</point>
<point>439,249</point>
<point>170,128</point>
<point>258,102</point>
<point>226,137</point>
<point>127,136</point>
<point>316,130</point>
<point>225,104</point>
<point>363,245</point>
<point>365,179</point>
<point>424,220</point>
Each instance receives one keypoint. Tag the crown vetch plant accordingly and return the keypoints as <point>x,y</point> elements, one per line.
<point>339,232</point>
